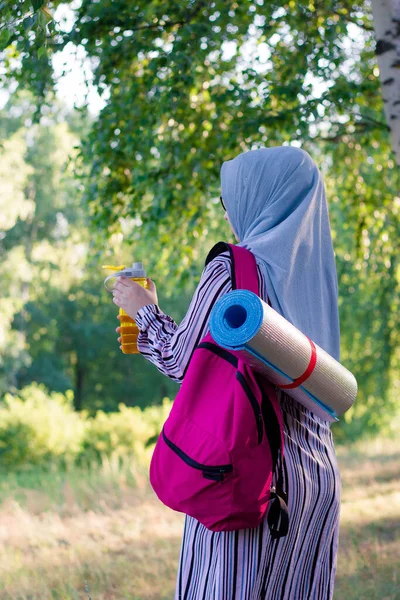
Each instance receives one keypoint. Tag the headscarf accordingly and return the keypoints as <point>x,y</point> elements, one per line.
<point>276,204</point>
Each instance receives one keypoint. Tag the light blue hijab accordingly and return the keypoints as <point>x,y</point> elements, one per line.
<point>276,203</point>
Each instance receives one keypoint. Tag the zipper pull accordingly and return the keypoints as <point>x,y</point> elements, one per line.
<point>213,475</point>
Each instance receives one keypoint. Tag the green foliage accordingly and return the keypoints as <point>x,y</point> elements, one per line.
<point>126,432</point>
<point>57,323</point>
<point>42,429</point>
<point>12,161</point>
<point>38,428</point>
<point>190,85</point>
<point>174,116</point>
<point>363,183</point>
<point>25,30</point>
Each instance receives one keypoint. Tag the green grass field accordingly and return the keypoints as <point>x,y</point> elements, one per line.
<point>104,530</point>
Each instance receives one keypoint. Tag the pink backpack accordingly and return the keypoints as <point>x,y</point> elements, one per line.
<point>217,451</point>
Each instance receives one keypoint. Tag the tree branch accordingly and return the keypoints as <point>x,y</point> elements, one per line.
<point>363,127</point>
<point>347,18</point>
<point>380,124</point>
<point>11,24</point>
<point>164,24</point>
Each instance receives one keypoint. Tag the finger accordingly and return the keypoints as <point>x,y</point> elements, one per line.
<point>126,282</point>
<point>119,339</point>
<point>119,285</point>
<point>118,329</point>
<point>119,317</point>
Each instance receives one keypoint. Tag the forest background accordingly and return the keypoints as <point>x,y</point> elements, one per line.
<point>182,90</point>
<point>130,172</point>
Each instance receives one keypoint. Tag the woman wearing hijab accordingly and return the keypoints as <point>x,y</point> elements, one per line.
<point>275,203</point>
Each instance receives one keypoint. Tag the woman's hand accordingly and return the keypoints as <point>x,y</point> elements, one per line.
<point>131,296</point>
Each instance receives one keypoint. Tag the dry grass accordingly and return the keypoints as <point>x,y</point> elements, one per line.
<point>106,528</point>
<point>369,553</point>
<point>100,530</point>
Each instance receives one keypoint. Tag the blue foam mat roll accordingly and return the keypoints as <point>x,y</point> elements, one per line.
<point>242,322</point>
<point>235,319</point>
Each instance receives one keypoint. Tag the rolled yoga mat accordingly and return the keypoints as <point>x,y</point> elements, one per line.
<point>244,324</point>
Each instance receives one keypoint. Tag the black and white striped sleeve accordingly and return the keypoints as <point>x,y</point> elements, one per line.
<point>169,346</point>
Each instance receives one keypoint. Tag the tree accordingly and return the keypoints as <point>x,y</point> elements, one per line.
<point>174,115</point>
<point>362,184</point>
<point>387,33</point>
<point>57,322</point>
<point>191,85</point>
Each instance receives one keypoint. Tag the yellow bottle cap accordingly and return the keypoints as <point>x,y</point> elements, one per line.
<point>112,268</point>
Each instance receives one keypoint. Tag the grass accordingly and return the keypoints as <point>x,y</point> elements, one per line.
<point>102,534</point>
<point>369,548</point>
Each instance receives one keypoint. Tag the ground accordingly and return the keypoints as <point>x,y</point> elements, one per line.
<point>102,534</point>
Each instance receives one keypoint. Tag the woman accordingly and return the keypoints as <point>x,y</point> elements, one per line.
<point>276,206</point>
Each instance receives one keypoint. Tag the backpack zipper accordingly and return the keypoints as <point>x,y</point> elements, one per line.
<point>254,404</point>
<point>215,472</point>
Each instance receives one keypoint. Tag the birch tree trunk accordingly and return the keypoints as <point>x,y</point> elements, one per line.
<point>386,15</point>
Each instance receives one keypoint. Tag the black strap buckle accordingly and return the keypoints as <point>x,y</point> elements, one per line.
<point>278,515</point>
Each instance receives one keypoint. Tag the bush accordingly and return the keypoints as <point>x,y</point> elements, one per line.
<point>37,427</point>
<point>131,431</point>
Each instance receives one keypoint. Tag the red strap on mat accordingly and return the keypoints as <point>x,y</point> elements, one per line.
<point>307,372</point>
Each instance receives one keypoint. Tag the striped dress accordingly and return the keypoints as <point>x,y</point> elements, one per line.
<point>249,564</point>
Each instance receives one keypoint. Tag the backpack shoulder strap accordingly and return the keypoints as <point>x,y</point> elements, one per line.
<point>244,266</point>
<point>215,250</point>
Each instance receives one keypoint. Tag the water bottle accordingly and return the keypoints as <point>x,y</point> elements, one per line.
<point>129,329</point>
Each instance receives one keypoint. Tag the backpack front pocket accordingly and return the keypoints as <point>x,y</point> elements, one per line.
<point>214,472</point>
<point>192,472</point>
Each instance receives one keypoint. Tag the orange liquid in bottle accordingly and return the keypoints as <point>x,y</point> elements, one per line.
<point>129,330</point>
